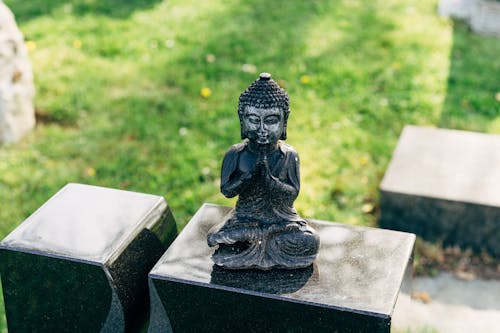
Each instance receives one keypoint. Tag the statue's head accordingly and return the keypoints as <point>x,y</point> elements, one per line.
<point>263,109</point>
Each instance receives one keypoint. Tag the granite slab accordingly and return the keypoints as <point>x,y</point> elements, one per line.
<point>352,286</point>
<point>444,185</point>
<point>80,262</point>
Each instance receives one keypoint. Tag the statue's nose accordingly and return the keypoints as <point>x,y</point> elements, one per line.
<point>262,128</point>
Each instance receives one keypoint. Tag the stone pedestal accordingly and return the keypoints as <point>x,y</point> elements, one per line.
<point>80,262</point>
<point>444,185</point>
<point>17,114</point>
<point>483,16</point>
<point>352,286</point>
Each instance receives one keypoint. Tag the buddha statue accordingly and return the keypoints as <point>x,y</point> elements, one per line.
<point>264,230</point>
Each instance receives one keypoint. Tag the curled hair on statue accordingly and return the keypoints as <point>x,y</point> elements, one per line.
<point>264,93</point>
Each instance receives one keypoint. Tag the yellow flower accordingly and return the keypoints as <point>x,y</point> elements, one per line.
<point>77,44</point>
<point>396,65</point>
<point>30,45</point>
<point>205,92</point>
<point>367,208</point>
<point>305,79</point>
<point>497,96</point>
<point>89,172</point>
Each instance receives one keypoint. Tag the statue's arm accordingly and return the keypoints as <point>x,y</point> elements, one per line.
<point>277,185</point>
<point>234,186</point>
<point>232,181</point>
<point>290,183</point>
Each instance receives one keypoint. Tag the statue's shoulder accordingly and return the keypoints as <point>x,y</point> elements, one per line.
<point>237,148</point>
<point>234,151</point>
<point>287,149</point>
<point>230,160</point>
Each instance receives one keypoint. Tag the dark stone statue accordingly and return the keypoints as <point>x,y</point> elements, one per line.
<point>264,231</point>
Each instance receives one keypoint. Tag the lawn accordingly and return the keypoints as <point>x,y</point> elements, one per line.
<point>142,95</point>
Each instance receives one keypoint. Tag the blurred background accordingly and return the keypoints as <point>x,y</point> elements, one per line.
<point>142,95</point>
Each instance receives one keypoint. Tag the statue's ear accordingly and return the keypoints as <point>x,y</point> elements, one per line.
<point>242,128</point>
<point>283,134</point>
<point>285,122</point>
<point>243,133</point>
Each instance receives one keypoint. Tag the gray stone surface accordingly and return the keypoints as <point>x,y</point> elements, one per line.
<point>445,186</point>
<point>80,262</point>
<point>455,306</point>
<point>482,15</point>
<point>460,9</point>
<point>17,115</point>
<point>485,18</point>
<point>352,286</point>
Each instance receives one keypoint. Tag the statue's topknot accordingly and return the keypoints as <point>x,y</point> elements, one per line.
<point>265,93</point>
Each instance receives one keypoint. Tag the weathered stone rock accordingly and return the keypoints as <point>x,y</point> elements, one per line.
<point>459,9</point>
<point>483,16</point>
<point>17,115</point>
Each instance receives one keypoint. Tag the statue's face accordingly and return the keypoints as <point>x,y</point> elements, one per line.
<point>263,126</point>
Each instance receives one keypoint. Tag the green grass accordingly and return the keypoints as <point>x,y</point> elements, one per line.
<point>119,104</point>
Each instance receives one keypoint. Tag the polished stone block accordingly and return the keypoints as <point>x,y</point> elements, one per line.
<point>80,262</point>
<point>444,185</point>
<point>352,286</point>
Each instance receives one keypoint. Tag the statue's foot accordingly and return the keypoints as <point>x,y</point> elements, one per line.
<point>215,238</point>
<point>266,246</point>
<point>231,234</point>
<point>298,241</point>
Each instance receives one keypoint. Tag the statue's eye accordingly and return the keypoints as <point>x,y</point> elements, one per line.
<point>271,120</point>
<point>253,119</point>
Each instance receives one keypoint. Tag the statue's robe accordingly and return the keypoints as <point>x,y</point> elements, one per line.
<point>264,218</point>
<point>258,201</point>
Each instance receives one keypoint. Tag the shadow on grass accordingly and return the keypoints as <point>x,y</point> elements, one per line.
<point>29,10</point>
<point>470,102</point>
<point>269,33</point>
<point>275,36</point>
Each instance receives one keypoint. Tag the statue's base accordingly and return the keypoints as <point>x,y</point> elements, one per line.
<point>352,286</point>
<point>444,186</point>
